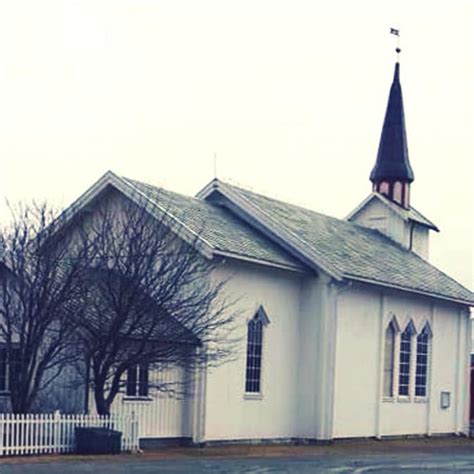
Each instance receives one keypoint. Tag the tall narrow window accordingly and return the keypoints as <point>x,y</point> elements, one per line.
<point>137,381</point>
<point>422,355</point>
<point>405,360</point>
<point>389,360</point>
<point>253,374</point>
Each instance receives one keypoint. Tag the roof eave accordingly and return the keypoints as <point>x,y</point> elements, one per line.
<point>258,261</point>
<point>370,281</point>
<point>424,224</point>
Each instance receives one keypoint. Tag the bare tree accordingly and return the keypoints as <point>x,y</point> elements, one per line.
<point>150,298</point>
<point>111,289</point>
<point>38,283</point>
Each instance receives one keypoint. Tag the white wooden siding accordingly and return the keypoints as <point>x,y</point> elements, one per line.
<point>163,414</point>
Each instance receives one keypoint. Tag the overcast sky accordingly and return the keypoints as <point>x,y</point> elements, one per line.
<point>290,95</point>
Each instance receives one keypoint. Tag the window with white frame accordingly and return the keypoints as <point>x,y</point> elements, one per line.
<point>253,373</point>
<point>405,360</point>
<point>137,381</point>
<point>8,367</point>
<point>422,360</point>
<point>389,359</point>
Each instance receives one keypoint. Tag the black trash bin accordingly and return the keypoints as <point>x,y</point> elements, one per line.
<point>97,441</point>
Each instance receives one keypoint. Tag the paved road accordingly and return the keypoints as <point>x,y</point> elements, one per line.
<point>384,464</point>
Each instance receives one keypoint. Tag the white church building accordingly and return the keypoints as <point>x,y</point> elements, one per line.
<point>347,330</point>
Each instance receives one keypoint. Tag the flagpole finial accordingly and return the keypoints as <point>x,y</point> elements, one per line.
<point>396,32</point>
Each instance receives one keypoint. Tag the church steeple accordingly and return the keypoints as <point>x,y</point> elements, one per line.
<point>392,173</point>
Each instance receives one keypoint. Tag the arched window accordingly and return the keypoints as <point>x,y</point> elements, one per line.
<point>422,360</point>
<point>253,373</point>
<point>405,359</point>
<point>389,359</point>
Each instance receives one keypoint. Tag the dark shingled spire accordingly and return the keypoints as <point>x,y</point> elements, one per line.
<point>392,158</point>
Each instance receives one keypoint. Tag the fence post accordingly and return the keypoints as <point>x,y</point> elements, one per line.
<point>56,431</point>
<point>134,443</point>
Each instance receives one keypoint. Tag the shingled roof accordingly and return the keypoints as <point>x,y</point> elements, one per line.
<point>233,222</point>
<point>222,230</point>
<point>354,251</point>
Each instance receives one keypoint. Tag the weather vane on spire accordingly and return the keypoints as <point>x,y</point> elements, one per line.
<point>394,31</point>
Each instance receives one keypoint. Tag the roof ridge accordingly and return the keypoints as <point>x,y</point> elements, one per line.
<point>166,190</point>
<point>286,203</point>
<point>343,221</point>
<point>239,188</point>
<point>246,190</point>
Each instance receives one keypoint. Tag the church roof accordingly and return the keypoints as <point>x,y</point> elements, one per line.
<point>222,230</point>
<point>233,222</point>
<point>392,158</point>
<point>353,251</point>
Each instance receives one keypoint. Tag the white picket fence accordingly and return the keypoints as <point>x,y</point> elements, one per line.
<point>54,432</point>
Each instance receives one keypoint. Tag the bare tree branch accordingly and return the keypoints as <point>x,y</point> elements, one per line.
<point>37,284</point>
<point>150,297</point>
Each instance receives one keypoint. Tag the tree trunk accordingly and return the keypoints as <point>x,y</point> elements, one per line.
<point>101,404</point>
<point>20,404</point>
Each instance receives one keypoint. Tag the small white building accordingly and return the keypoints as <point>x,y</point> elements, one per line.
<point>347,330</point>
